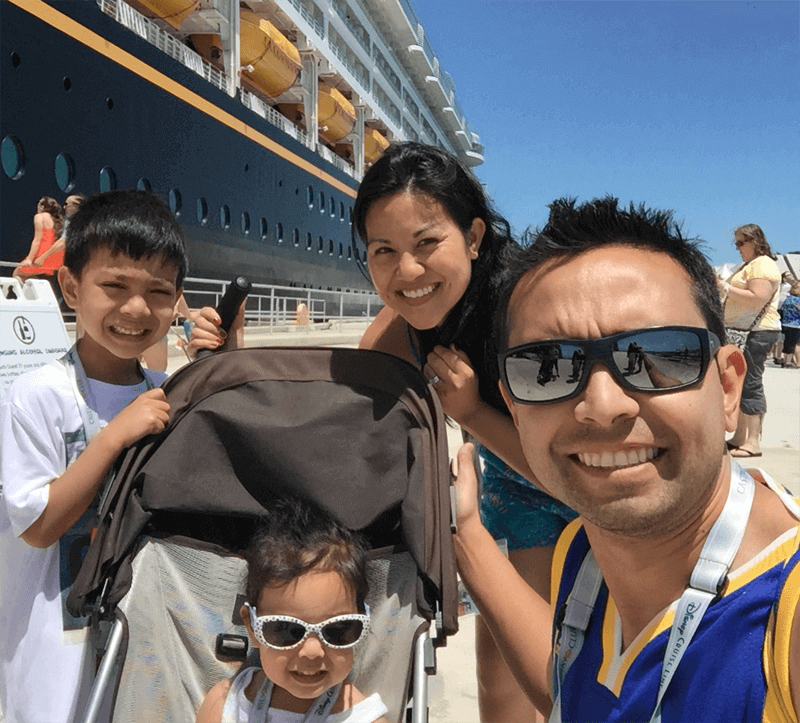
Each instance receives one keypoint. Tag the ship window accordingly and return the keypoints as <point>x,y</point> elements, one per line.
<point>108,179</point>
<point>341,211</point>
<point>224,216</point>
<point>310,197</point>
<point>175,202</point>
<point>309,241</point>
<point>333,207</point>
<point>341,250</point>
<point>330,247</point>
<point>143,185</point>
<point>202,210</point>
<point>296,237</point>
<point>245,223</point>
<point>264,228</point>
<point>351,215</point>
<point>321,202</point>
<point>15,60</point>
<point>13,158</point>
<point>67,84</point>
<point>110,103</point>
<point>279,233</point>
<point>349,253</point>
<point>65,172</point>
<point>321,244</point>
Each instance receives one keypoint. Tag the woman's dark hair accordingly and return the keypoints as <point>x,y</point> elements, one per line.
<point>295,537</point>
<point>53,207</point>
<point>752,232</point>
<point>138,224</point>
<point>420,169</point>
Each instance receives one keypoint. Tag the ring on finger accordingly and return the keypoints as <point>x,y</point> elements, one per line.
<point>435,378</point>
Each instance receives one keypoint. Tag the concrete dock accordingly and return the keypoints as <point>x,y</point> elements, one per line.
<point>453,691</point>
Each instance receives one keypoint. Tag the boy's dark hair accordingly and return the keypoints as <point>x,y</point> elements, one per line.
<point>137,224</point>
<point>422,169</point>
<point>572,230</point>
<point>295,537</point>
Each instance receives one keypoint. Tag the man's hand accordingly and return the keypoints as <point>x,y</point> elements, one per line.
<point>466,484</point>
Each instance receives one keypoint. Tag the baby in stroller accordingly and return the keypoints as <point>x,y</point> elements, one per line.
<point>305,612</point>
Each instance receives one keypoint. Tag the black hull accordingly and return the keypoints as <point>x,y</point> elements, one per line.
<point>146,116</point>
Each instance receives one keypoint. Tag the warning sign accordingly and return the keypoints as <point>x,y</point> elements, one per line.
<point>32,331</point>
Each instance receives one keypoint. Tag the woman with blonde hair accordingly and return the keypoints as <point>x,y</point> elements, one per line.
<point>751,315</point>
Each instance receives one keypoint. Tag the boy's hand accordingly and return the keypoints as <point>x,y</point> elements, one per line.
<point>147,414</point>
<point>206,333</point>
<point>457,386</point>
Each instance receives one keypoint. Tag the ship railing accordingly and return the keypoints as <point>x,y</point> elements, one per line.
<point>152,33</point>
<point>309,18</point>
<point>269,114</point>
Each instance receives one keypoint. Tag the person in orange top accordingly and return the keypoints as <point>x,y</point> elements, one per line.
<point>47,226</point>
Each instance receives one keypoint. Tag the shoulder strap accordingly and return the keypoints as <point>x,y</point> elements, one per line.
<point>230,711</point>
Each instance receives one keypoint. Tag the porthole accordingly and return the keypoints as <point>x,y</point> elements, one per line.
<point>245,222</point>
<point>330,247</point>
<point>65,172</point>
<point>321,245</point>
<point>341,250</point>
<point>341,211</point>
<point>349,253</point>
<point>333,207</point>
<point>224,217</point>
<point>67,84</point>
<point>108,179</point>
<point>143,185</point>
<point>15,60</point>
<point>296,237</point>
<point>279,233</point>
<point>110,103</point>
<point>202,210</point>
<point>321,202</point>
<point>310,197</point>
<point>246,167</point>
<point>175,202</point>
<point>264,228</point>
<point>309,241</point>
<point>13,157</point>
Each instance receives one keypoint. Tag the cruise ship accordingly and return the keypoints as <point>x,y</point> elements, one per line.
<point>255,120</point>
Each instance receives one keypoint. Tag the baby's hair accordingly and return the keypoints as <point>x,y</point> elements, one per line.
<point>295,537</point>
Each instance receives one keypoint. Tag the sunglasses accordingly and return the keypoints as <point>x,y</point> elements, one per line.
<point>282,632</point>
<point>645,360</point>
<point>739,244</point>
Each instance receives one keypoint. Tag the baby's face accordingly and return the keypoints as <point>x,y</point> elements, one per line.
<point>303,673</point>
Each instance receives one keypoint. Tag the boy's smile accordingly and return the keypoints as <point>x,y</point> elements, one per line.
<point>125,306</point>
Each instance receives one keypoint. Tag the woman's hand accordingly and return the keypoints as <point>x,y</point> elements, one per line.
<point>457,384</point>
<point>206,333</point>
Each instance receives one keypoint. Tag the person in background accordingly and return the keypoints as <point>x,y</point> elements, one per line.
<point>48,223</point>
<point>677,588</point>
<point>790,325</point>
<point>751,308</point>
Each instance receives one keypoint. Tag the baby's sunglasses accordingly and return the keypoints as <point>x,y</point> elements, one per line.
<point>644,360</point>
<point>283,632</point>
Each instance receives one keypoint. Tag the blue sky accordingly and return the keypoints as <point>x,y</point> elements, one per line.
<point>693,106</point>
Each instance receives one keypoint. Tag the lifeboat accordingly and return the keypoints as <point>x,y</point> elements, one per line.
<point>374,145</point>
<point>336,114</point>
<point>209,46</point>
<point>173,12</point>
<point>275,61</point>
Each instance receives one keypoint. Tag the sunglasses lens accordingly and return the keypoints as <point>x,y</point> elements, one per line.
<point>343,632</point>
<point>282,633</point>
<point>544,372</point>
<point>660,359</point>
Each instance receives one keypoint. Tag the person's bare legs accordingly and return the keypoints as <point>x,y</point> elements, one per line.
<point>500,698</point>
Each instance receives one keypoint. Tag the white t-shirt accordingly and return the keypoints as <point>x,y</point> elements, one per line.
<point>46,668</point>
<point>238,708</point>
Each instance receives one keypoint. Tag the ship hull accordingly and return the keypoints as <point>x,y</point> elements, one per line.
<point>74,81</point>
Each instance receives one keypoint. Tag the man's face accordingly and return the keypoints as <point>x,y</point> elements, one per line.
<point>599,293</point>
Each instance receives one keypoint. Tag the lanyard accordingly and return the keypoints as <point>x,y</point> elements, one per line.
<point>318,711</point>
<point>705,584</point>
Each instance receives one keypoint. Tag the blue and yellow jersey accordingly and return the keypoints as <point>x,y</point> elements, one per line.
<point>735,669</point>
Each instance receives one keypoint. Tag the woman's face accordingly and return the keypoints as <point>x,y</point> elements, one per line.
<point>419,259</point>
<point>746,248</point>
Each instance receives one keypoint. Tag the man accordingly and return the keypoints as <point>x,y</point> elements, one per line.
<point>643,461</point>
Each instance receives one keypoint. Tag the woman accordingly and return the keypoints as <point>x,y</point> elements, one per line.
<point>751,308</point>
<point>436,251</point>
<point>47,225</point>
<point>790,326</point>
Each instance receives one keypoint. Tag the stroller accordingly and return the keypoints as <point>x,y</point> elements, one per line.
<point>358,432</point>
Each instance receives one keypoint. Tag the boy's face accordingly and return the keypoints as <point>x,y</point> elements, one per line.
<point>124,305</point>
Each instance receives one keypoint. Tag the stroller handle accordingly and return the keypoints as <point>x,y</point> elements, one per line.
<point>229,304</point>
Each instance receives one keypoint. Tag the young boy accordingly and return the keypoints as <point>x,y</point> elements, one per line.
<point>123,269</point>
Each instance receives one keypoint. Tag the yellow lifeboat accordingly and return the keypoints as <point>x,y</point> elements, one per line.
<point>336,114</point>
<point>173,12</point>
<point>374,145</point>
<point>275,61</point>
<point>209,46</point>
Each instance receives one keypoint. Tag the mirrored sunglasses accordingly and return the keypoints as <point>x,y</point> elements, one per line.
<point>645,360</point>
<point>283,632</point>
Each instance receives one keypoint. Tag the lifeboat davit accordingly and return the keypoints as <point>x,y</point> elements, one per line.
<point>336,114</point>
<point>275,61</point>
<point>173,12</point>
<point>375,144</point>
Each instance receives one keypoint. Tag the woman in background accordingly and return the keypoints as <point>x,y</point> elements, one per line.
<point>48,223</point>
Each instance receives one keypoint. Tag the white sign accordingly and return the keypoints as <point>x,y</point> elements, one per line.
<point>32,331</point>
